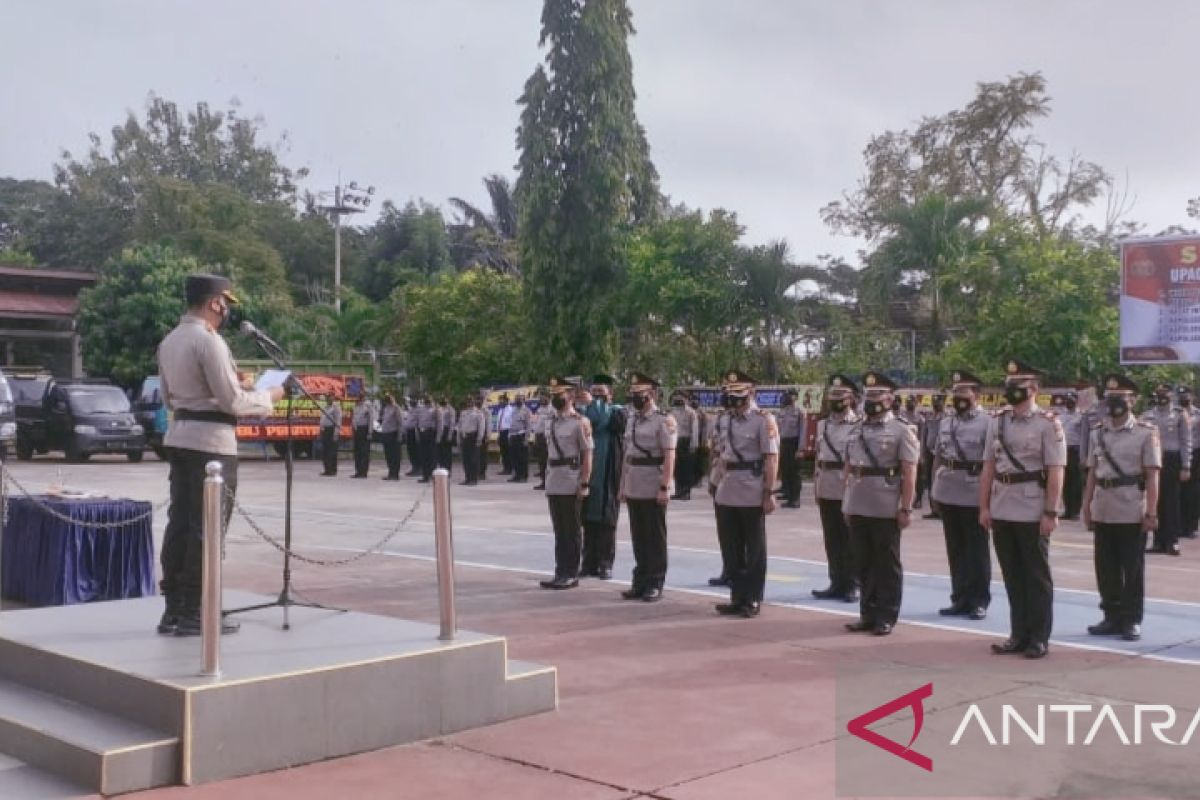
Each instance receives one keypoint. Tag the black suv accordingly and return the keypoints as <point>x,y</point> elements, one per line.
<point>78,418</point>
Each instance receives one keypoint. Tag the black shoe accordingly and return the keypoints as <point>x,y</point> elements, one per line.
<point>189,625</point>
<point>460,483</point>
<point>791,504</point>
<point>850,596</point>
<point>1190,535</point>
<point>859,626</point>
<point>931,515</point>
<point>424,480</point>
<point>728,609</point>
<point>682,496</point>
<point>412,473</point>
<point>168,622</point>
<point>882,629</point>
<point>1009,647</point>
<point>391,477</point>
<point>328,474</point>
<point>977,613</point>
<point>952,611</point>
<point>652,595</point>
<point>560,583</point>
<point>1174,550</point>
<point>358,476</point>
<point>604,574</point>
<point>720,580</point>
<point>1131,632</point>
<point>826,593</point>
<point>633,593</point>
<point>1105,627</point>
<point>540,487</point>
<point>751,610</point>
<point>1155,549</point>
<point>1037,650</point>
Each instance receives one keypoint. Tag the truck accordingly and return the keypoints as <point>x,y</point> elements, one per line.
<point>78,418</point>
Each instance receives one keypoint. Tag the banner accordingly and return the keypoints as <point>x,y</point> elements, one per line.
<point>1160,300</point>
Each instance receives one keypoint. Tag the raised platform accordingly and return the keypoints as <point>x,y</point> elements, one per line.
<point>92,694</point>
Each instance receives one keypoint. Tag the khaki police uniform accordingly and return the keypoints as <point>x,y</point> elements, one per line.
<point>687,424</point>
<point>363,423</point>
<point>958,462</point>
<point>650,435</point>
<point>1175,434</point>
<point>1073,431</point>
<point>1189,491</point>
<point>791,420</point>
<point>875,451</point>
<point>518,442</point>
<point>569,437</point>
<point>829,482</point>
<point>716,446</point>
<point>540,420</point>
<point>472,433</point>
<point>389,433</point>
<point>330,426</point>
<point>447,421</point>
<point>1120,457</point>
<point>426,427</point>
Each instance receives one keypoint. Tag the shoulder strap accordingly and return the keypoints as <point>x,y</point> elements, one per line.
<point>1107,455</point>
<point>633,438</point>
<point>962,456</point>
<point>862,438</point>
<point>1004,443</point>
<point>554,436</point>
<point>733,440</point>
<point>829,442</point>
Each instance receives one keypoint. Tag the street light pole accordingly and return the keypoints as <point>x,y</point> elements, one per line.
<point>349,199</point>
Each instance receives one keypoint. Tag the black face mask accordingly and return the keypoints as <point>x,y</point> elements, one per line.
<point>962,405</point>
<point>1015,395</point>
<point>638,401</point>
<point>519,403</point>
<point>837,406</point>
<point>1117,406</point>
<point>1162,400</point>
<point>1070,404</point>
<point>738,402</point>
<point>559,402</point>
<point>874,407</point>
<point>725,400</point>
<point>677,402</point>
<point>788,400</point>
<point>1186,402</point>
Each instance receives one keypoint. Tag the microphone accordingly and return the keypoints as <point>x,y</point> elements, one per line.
<point>249,329</point>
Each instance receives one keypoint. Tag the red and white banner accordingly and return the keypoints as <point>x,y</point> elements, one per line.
<point>1160,300</point>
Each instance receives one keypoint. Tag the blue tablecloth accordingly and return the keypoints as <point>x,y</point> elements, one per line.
<point>47,561</point>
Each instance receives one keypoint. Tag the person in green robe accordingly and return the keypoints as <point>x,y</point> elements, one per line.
<point>601,509</point>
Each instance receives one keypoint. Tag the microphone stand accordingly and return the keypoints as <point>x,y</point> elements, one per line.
<point>285,599</point>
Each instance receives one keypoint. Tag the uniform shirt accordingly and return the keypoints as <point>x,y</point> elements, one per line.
<point>891,441</point>
<point>1134,447</point>
<point>931,431</point>
<point>650,434</point>
<point>424,417</point>
<point>541,419</point>
<point>447,416</point>
<point>331,417</point>
<point>504,422</point>
<point>834,429</point>
<point>791,421</point>
<point>685,423</point>
<point>198,374</point>
<point>521,419</point>
<point>704,424</point>
<point>750,434</point>
<point>1072,424</point>
<point>1036,439</point>
<point>472,424</point>
<point>1174,431</point>
<point>364,415</point>
<point>568,436</point>
<point>1089,419</point>
<point>959,487</point>
<point>389,419</point>
<point>408,420</point>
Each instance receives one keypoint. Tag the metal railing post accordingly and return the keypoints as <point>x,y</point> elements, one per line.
<point>210,607</point>
<point>443,532</point>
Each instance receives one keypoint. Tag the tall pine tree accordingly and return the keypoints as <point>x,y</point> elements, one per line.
<point>585,179</point>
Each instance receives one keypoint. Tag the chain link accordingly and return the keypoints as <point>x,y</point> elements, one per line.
<point>318,562</point>
<point>56,514</point>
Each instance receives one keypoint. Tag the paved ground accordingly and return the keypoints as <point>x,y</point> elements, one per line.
<point>664,700</point>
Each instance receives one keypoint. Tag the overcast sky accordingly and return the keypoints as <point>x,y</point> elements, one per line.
<point>759,106</point>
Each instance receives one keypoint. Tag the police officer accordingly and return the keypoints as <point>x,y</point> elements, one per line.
<point>881,478</point>
<point>930,426</point>
<point>650,442</point>
<point>1019,495</point>
<point>568,471</point>
<point>390,418</point>
<point>829,487</point>
<point>200,386</point>
<point>957,465</point>
<point>716,444</point>
<point>472,433</point>
<point>447,420</point>
<point>408,433</point>
<point>518,440</point>
<point>1175,434</point>
<point>1119,502</point>
<point>791,420</point>
<point>1065,405</point>
<point>745,493</point>
<point>686,423</point>
<point>703,434</point>
<point>1189,492</point>
<point>540,420</point>
<point>363,423</point>
<point>331,432</point>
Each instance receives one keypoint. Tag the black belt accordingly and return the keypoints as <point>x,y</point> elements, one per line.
<point>744,465</point>
<point>831,464</point>
<point>972,467</point>
<point>1113,483</point>
<point>646,462</point>
<point>564,462</point>
<point>874,472</point>
<point>219,417</point>
<point>1008,478</point>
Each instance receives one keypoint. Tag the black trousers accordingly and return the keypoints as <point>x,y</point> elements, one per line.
<point>599,547</point>
<point>924,474</point>
<point>725,542</point>
<point>1168,501</point>
<point>648,532</point>
<point>565,512</point>
<point>969,555</point>
<point>843,576</point>
<point>702,465</point>
<point>542,453</point>
<point>746,527</point>
<point>518,456</point>
<point>505,455</point>
<point>789,469</point>
<point>1190,496</point>
<point>1072,483</point>
<point>362,450</point>
<point>876,544</point>
<point>470,458</point>
<point>483,447</point>
<point>1121,571</point>
<point>182,556</point>
<point>445,451</point>
<point>412,444</point>
<point>391,453</point>
<point>329,449</point>
<point>427,448</point>
<point>685,469</point>
<point>1024,556</point>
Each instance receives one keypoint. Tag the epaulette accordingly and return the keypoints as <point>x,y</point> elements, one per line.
<point>1048,413</point>
<point>1097,426</point>
<point>999,412</point>
<point>762,412</point>
<point>1141,423</point>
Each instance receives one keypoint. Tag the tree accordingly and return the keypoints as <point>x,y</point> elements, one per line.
<point>487,239</point>
<point>767,279</point>
<point>1194,207</point>
<point>318,331</point>
<point>137,299</point>
<point>585,178</point>
<point>404,245</point>
<point>22,204</point>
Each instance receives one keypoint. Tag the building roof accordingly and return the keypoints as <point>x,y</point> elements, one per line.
<point>53,305</point>
<point>14,271</point>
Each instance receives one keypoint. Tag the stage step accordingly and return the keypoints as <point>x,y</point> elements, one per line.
<point>20,781</point>
<point>102,752</point>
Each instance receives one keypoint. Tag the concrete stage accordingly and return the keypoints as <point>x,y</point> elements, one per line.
<point>93,696</point>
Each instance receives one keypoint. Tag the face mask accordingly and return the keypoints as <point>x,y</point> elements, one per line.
<point>962,405</point>
<point>1117,406</point>
<point>725,400</point>
<point>638,401</point>
<point>1015,395</point>
<point>1186,402</point>
<point>874,407</point>
<point>559,402</point>
<point>738,402</point>
<point>1162,400</point>
<point>837,406</point>
<point>519,403</point>
<point>788,400</point>
<point>677,402</point>
<point>1070,405</point>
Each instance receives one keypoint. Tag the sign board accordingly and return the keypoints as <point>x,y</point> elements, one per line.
<point>1160,300</point>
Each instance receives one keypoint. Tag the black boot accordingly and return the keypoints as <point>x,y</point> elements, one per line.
<point>189,620</point>
<point>170,618</point>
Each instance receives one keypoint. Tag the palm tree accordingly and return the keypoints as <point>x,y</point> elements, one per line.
<point>489,239</point>
<point>767,279</point>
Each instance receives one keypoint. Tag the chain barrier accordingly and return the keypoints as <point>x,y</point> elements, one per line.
<point>318,562</point>
<point>52,512</point>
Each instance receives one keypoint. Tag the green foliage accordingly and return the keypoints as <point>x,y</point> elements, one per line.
<point>22,205</point>
<point>466,330</point>
<point>403,246</point>
<point>137,299</point>
<point>319,332</point>
<point>585,177</point>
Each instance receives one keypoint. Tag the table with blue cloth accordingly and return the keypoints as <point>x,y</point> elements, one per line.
<point>47,561</point>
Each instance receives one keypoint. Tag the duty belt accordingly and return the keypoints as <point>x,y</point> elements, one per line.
<point>564,462</point>
<point>873,472</point>
<point>206,416</point>
<point>743,465</point>
<point>1018,477</point>
<point>831,464</point>
<point>972,467</point>
<point>1113,483</point>
<point>646,462</point>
